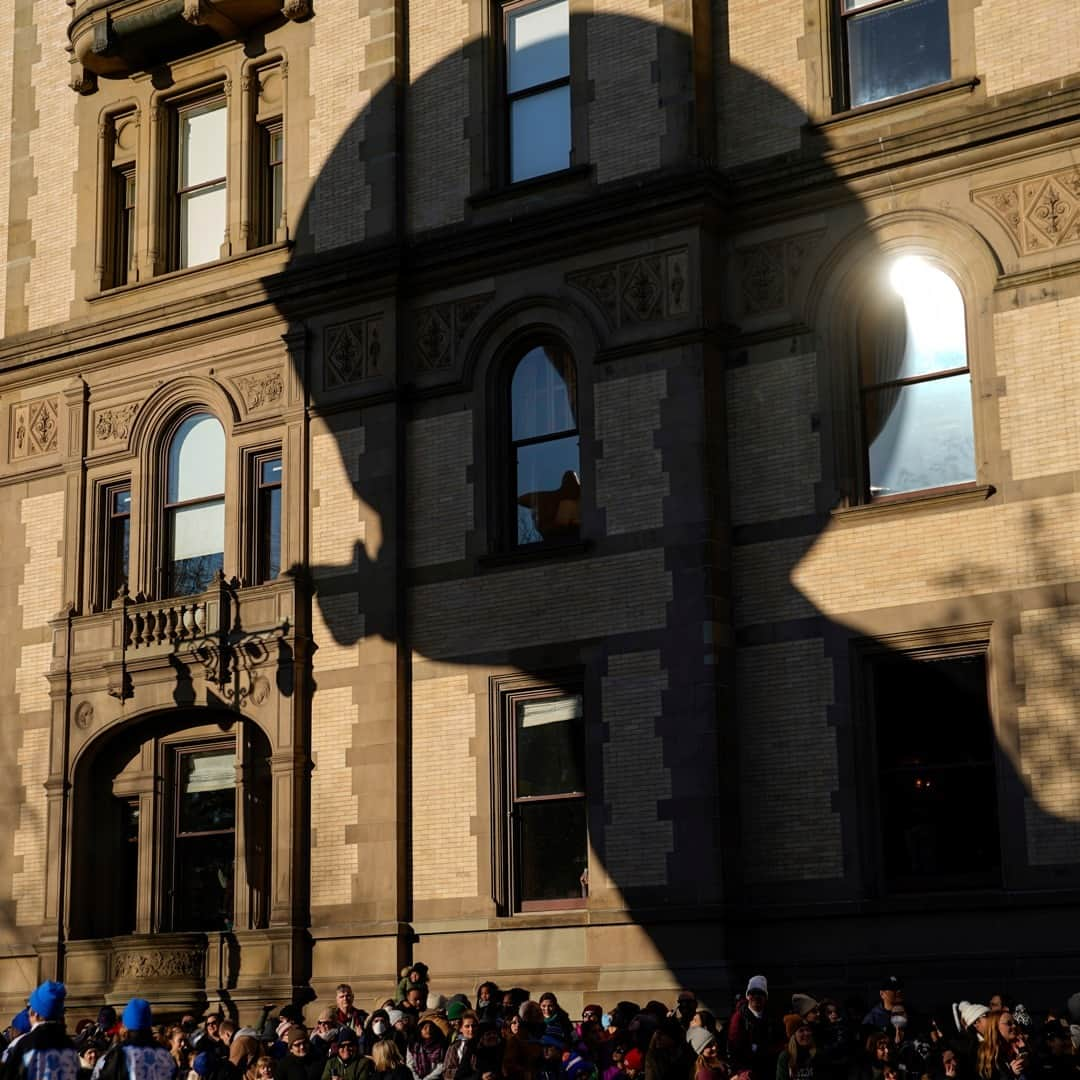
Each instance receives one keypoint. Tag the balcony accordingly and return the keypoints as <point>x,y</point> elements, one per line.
<point>117,38</point>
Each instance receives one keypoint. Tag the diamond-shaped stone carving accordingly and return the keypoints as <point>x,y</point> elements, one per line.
<point>1039,213</point>
<point>647,289</point>
<point>34,427</point>
<point>352,352</point>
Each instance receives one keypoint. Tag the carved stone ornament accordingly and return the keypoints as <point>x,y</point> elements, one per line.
<point>195,11</point>
<point>652,288</point>
<point>84,715</point>
<point>113,425</point>
<point>261,389</point>
<point>352,352</point>
<point>439,330</point>
<point>768,271</point>
<point>1039,214</point>
<point>34,428</point>
<point>159,964</point>
<point>296,9</point>
<point>81,80</point>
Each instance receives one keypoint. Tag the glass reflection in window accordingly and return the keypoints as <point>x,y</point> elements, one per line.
<point>545,444</point>
<point>195,505</point>
<point>915,382</point>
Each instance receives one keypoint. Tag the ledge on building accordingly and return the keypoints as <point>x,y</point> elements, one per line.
<point>918,502</point>
<point>501,560</point>
<point>117,38</point>
<point>849,118</point>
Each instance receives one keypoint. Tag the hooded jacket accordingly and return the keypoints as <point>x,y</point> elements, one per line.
<point>139,1057</point>
<point>43,1053</point>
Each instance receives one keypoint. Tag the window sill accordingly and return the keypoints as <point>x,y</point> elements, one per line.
<point>534,185</point>
<point>947,91</point>
<point>541,552</point>
<point>919,502</point>
<point>189,272</point>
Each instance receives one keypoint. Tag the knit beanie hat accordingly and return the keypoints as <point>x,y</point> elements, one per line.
<point>803,1004</point>
<point>48,1000</point>
<point>137,1015</point>
<point>294,1032</point>
<point>21,1021</point>
<point>394,1015</point>
<point>203,1065</point>
<point>969,1013</point>
<point>699,1038</point>
<point>759,983</point>
<point>633,1059</point>
<point>455,1010</point>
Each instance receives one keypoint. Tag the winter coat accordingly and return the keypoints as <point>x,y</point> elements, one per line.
<point>141,1057</point>
<point>360,1068</point>
<point>43,1053</point>
<point>427,1059</point>
<point>752,1042</point>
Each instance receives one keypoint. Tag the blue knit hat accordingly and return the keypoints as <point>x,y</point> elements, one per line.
<point>21,1022</point>
<point>48,1000</point>
<point>137,1015</point>
<point>203,1063</point>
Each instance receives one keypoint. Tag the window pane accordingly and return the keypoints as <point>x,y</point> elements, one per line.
<point>203,144</point>
<point>550,746</point>
<point>121,502</point>
<point>549,488</point>
<point>920,436</point>
<point>204,882</point>
<point>207,790</point>
<point>270,471</point>
<point>898,48</point>
<point>197,546</point>
<point>269,534</point>
<point>119,555</point>
<point>935,756</point>
<point>128,885</point>
<point>197,459</point>
<point>540,134</point>
<point>543,393</point>
<point>538,45</point>
<point>919,328</point>
<point>552,849</point>
<point>202,225</point>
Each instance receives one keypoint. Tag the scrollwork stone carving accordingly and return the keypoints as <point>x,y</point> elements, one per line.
<point>159,964</point>
<point>261,389</point>
<point>113,425</point>
<point>1040,213</point>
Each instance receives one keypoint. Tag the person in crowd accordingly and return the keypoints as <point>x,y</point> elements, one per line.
<point>326,1030</point>
<point>45,1050</point>
<point>346,1062</point>
<point>298,1062</point>
<point>554,1014</point>
<point>377,1029</point>
<point>20,1025</point>
<point>463,1046</point>
<point>264,1068</point>
<point>488,1001</point>
<point>685,1007</point>
<point>209,1038</point>
<point>89,1056</point>
<point>427,1052</point>
<point>388,1062</point>
<point>877,1053</point>
<point>138,1055</point>
<point>891,994</point>
<point>1057,1059</point>
<point>707,1062</point>
<point>1002,1054</point>
<point>523,1052</point>
<point>179,1048</point>
<point>345,1012</point>
<point>752,1036</point>
<point>415,999</point>
<point>614,1068</point>
<point>796,1060</point>
<point>487,1059</point>
<point>416,975</point>
<point>633,1064</point>
<point>244,1051</point>
<point>668,1056</point>
<point>552,1048</point>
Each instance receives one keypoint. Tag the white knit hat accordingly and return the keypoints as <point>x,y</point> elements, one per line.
<point>969,1013</point>
<point>757,982</point>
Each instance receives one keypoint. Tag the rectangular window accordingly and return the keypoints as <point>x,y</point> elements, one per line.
<point>271,198</point>
<point>537,37</point>
<point>892,47</point>
<point>120,136</point>
<point>124,225</point>
<point>201,182</point>
<point>117,540</point>
<point>268,518</point>
<point>546,784</point>
<point>935,767</point>
<point>204,837</point>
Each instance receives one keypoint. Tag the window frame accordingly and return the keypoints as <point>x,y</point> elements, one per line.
<point>110,587</point>
<point>843,60</point>
<point>507,98</point>
<point>253,464</point>
<point>943,643</point>
<point>506,500</point>
<point>117,257</point>
<point>863,494</point>
<point>505,693</point>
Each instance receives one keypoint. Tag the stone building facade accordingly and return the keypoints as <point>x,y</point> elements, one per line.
<point>307,675</point>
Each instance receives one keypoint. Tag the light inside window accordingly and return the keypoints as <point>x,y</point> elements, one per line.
<point>202,187</point>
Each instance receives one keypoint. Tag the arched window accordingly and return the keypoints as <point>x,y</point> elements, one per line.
<point>544,446</point>
<point>915,385</point>
<point>195,505</point>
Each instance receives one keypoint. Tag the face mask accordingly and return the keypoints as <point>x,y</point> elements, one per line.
<point>379,1027</point>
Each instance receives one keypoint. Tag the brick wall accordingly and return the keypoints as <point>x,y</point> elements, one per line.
<point>1018,43</point>
<point>787,763</point>
<point>1048,669</point>
<point>544,604</point>
<point>445,851</point>
<point>341,195</point>
<point>631,483</point>
<point>438,109</point>
<point>7,33</point>
<point>1035,348</point>
<point>774,455</point>
<point>636,840</point>
<point>626,122</point>
<point>55,153</point>
<point>439,452</point>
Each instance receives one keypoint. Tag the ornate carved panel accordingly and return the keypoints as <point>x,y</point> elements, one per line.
<point>261,389</point>
<point>176,963</point>
<point>34,428</point>
<point>113,424</point>
<point>439,330</point>
<point>352,352</point>
<point>768,271</point>
<point>647,289</point>
<point>1040,213</point>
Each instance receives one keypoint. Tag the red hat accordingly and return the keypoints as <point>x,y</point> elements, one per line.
<point>633,1059</point>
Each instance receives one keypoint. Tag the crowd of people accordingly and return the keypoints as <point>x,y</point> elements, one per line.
<point>507,1035</point>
